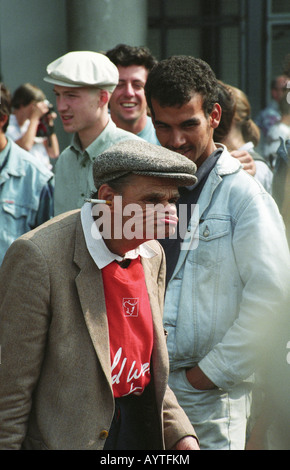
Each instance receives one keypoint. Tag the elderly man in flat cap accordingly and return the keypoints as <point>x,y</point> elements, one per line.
<point>83,83</point>
<point>84,357</point>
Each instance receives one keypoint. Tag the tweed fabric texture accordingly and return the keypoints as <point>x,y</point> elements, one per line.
<point>142,158</point>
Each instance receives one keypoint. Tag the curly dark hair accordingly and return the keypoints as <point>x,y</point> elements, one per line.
<point>173,82</point>
<point>125,55</point>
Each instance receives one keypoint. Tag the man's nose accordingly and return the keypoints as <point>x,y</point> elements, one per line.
<point>129,89</point>
<point>176,139</point>
<point>170,208</point>
<point>61,104</point>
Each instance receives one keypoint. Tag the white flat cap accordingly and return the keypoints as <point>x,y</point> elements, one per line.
<point>83,69</point>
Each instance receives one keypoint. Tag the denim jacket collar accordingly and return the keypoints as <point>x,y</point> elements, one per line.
<point>14,167</point>
<point>225,165</point>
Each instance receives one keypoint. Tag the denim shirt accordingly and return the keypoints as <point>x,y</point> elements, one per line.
<point>26,192</point>
<point>228,289</point>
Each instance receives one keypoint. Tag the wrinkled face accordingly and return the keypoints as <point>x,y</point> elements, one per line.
<point>78,107</point>
<point>186,129</point>
<point>128,102</point>
<point>145,209</point>
<point>155,201</point>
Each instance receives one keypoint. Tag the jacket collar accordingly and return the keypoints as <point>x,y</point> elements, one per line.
<point>91,294</point>
<point>15,166</point>
<point>226,165</point>
<point>89,285</point>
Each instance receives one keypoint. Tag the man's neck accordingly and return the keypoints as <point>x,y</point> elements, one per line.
<point>3,141</point>
<point>121,247</point>
<point>130,126</point>
<point>234,140</point>
<point>88,136</point>
<point>21,116</point>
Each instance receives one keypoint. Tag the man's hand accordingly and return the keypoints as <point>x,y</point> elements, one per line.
<point>198,379</point>
<point>39,109</point>
<point>246,160</point>
<point>187,443</point>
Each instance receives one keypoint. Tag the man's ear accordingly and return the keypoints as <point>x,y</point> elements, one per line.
<point>106,192</point>
<point>215,116</point>
<point>104,97</point>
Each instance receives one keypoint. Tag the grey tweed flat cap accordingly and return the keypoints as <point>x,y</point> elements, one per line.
<point>142,158</point>
<point>83,69</point>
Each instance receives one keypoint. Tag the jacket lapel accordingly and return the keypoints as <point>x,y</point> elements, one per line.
<point>160,361</point>
<point>89,285</point>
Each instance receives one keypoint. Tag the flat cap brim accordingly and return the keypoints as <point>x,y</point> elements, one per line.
<point>142,158</point>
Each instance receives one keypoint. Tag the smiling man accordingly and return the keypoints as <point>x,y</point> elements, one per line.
<point>85,363</point>
<point>223,296</point>
<point>128,104</point>
<point>83,83</point>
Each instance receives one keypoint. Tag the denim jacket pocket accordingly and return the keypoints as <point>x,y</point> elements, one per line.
<point>212,244</point>
<point>15,219</point>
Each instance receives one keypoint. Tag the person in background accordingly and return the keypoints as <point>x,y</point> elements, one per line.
<point>237,130</point>
<point>31,125</point>
<point>83,83</point>
<point>26,185</point>
<point>128,104</point>
<point>280,130</point>
<point>228,277</point>
<point>85,363</point>
<point>281,183</point>
<point>268,116</point>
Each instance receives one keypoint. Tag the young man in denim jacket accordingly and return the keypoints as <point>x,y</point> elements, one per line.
<point>228,279</point>
<point>26,185</point>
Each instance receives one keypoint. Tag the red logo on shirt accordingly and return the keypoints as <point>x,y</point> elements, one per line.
<point>131,307</point>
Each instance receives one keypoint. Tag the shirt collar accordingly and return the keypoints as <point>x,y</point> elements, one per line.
<point>207,166</point>
<point>4,153</point>
<point>99,145</point>
<point>97,248</point>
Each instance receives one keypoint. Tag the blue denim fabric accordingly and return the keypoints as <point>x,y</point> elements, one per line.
<point>223,293</point>
<point>227,291</point>
<point>219,417</point>
<point>26,195</point>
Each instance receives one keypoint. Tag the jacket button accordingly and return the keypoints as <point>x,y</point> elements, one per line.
<point>103,434</point>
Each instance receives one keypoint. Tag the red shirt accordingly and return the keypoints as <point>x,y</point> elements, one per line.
<point>130,327</point>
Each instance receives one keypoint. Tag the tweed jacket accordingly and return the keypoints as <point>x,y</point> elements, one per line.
<point>55,370</point>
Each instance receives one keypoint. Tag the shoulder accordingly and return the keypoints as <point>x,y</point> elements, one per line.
<point>22,158</point>
<point>159,258</point>
<point>54,236</point>
<point>48,247</point>
<point>237,186</point>
<point>120,135</point>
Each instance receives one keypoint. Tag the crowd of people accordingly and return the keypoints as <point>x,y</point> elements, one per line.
<point>145,267</point>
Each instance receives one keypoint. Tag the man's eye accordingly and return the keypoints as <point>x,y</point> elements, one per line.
<point>161,126</point>
<point>188,124</point>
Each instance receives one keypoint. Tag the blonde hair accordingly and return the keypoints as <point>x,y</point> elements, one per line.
<point>242,117</point>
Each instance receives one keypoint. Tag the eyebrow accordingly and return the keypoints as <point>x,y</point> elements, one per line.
<point>160,195</point>
<point>73,90</point>
<point>137,80</point>
<point>192,121</point>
